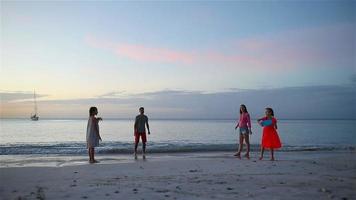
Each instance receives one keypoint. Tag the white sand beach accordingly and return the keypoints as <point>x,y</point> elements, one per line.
<point>213,175</point>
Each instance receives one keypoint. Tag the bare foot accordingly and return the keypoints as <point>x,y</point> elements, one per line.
<point>238,155</point>
<point>261,157</point>
<point>93,161</point>
<point>247,156</point>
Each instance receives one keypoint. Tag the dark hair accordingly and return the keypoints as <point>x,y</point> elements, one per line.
<point>244,108</point>
<point>92,110</point>
<point>270,110</point>
<point>142,108</point>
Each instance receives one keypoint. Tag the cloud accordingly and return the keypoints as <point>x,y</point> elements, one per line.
<point>330,46</point>
<point>143,53</point>
<point>312,102</point>
<point>319,46</point>
<point>114,94</point>
<point>353,78</point>
<point>18,96</point>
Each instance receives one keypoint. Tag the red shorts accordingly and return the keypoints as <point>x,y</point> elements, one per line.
<point>143,137</point>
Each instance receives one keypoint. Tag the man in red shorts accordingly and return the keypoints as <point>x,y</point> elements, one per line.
<point>140,131</point>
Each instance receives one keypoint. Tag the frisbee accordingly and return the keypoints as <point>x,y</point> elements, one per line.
<point>267,122</point>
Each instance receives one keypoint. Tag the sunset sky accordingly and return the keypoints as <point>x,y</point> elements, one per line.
<point>178,59</point>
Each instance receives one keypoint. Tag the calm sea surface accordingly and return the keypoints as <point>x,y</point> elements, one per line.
<point>21,136</point>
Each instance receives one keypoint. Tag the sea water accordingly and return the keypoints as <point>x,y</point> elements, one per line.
<point>67,136</point>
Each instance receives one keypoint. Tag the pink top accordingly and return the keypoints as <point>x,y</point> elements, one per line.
<point>244,121</point>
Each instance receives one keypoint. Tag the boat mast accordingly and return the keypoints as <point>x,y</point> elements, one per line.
<point>35,102</point>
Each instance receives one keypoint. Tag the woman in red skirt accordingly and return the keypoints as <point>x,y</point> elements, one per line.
<point>270,138</point>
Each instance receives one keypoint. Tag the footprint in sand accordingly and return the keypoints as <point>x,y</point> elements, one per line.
<point>162,191</point>
<point>331,196</point>
<point>325,190</point>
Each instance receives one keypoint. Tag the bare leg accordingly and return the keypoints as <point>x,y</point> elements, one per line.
<point>136,145</point>
<point>93,152</point>
<point>89,153</point>
<point>272,154</point>
<point>247,140</point>
<point>144,148</point>
<point>241,143</point>
<point>135,153</point>
<point>262,151</point>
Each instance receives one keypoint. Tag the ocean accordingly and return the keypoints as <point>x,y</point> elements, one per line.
<point>50,136</point>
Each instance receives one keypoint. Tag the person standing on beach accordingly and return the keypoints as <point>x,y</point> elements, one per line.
<point>244,125</point>
<point>141,122</point>
<point>270,138</point>
<point>93,135</point>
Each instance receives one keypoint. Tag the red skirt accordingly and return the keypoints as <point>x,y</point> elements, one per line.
<point>270,138</point>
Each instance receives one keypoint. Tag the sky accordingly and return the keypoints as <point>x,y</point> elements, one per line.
<point>188,59</point>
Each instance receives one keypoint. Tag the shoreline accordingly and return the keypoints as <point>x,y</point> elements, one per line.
<point>126,148</point>
<point>211,175</point>
<point>62,160</point>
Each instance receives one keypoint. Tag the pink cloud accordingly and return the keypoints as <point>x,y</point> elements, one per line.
<point>153,54</point>
<point>143,53</point>
<point>321,46</point>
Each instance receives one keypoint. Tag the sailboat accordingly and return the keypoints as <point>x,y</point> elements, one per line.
<point>35,116</point>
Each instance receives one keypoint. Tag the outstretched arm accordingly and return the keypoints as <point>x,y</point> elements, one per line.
<point>259,121</point>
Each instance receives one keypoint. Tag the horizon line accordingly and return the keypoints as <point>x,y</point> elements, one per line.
<point>122,118</point>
